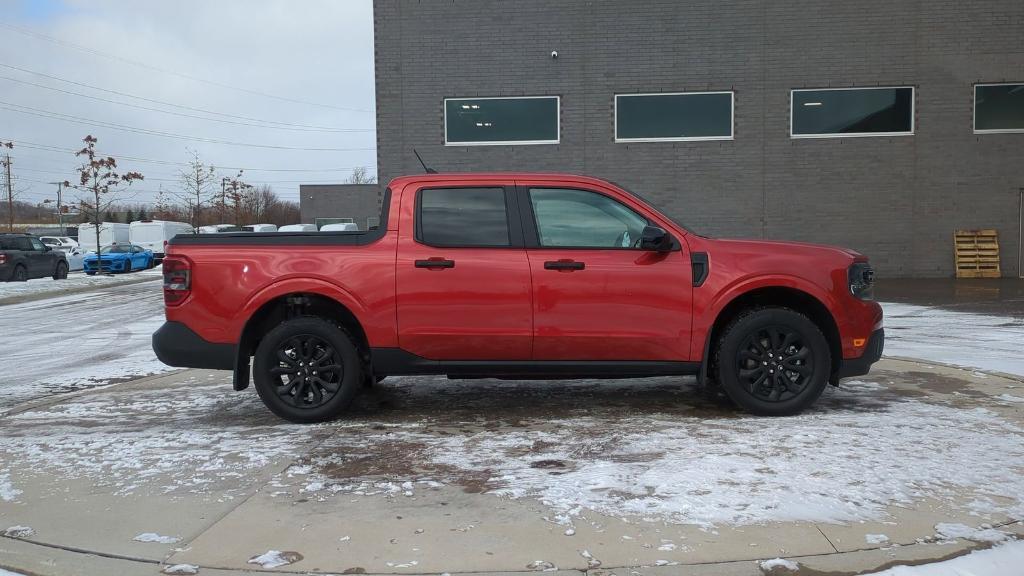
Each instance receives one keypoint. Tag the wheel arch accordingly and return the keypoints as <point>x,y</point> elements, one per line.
<point>781,296</point>
<point>290,304</point>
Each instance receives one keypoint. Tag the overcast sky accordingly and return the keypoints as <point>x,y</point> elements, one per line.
<point>292,74</point>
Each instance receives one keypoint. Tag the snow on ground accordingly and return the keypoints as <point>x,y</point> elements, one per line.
<point>959,338</point>
<point>75,280</point>
<point>276,558</point>
<point>780,563</point>
<point>78,341</point>
<point>1002,560</point>
<point>638,450</point>
<point>7,491</point>
<point>154,537</point>
<point>951,531</point>
<point>9,573</point>
<point>860,451</point>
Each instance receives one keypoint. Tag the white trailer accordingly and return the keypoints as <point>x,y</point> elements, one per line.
<point>110,233</point>
<point>154,234</point>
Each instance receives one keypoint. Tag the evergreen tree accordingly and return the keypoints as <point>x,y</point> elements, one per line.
<point>142,214</point>
<point>129,216</point>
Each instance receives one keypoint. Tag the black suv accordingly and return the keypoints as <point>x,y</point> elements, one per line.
<point>23,256</point>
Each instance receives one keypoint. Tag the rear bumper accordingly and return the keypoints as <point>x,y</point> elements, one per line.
<point>177,345</point>
<point>872,352</point>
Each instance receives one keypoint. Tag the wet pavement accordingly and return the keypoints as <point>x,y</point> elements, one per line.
<point>997,296</point>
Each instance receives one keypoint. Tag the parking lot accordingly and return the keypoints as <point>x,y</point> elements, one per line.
<point>915,461</point>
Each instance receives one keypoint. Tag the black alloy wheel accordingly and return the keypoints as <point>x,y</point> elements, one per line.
<point>772,361</point>
<point>307,369</point>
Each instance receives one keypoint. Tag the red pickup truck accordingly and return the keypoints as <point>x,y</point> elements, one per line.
<point>516,276</point>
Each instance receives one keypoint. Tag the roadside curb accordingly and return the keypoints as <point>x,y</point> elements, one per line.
<point>23,298</point>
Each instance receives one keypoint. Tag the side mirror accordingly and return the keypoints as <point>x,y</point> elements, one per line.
<point>655,239</point>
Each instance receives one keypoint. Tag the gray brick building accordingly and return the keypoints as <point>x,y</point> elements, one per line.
<point>359,202</point>
<point>897,198</point>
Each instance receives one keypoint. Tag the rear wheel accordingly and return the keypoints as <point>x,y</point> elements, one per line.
<point>61,273</point>
<point>307,370</point>
<point>20,274</point>
<point>773,361</point>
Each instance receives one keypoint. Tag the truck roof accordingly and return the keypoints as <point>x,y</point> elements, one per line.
<point>501,176</point>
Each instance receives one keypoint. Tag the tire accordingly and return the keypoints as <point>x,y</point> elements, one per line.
<point>151,264</point>
<point>279,361</point>
<point>751,373</point>
<point>90,273</point>
<point>20,274</point>
<point>61,273</point>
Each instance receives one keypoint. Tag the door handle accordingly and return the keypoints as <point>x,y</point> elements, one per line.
<point>564,265</point>
<point>435,263</point>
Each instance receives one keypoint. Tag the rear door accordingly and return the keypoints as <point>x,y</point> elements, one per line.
<point>464,289</point>
<point>596,294</point>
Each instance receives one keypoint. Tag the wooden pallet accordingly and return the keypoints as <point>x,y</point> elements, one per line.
<point>977,253</point>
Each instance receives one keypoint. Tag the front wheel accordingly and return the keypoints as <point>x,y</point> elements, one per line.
<point>61,273</point>
<point>307,370</point>
<point>773,361</point>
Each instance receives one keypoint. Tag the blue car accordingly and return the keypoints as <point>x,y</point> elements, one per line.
<point>118,258</point>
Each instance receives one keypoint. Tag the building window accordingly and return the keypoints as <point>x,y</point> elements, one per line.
<point>999,108</point>
<point>494,121</point>
<point>466,217</point>
<point>845,112</point>
<point>673,117</point>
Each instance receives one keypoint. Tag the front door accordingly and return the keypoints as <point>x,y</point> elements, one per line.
<point>596,294</point>
<point>463,277</point>
<point>41,262</point>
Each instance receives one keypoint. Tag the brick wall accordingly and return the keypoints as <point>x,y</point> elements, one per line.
<point>897,199</point>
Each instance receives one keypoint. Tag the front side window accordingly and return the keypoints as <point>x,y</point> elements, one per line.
<point>582,219</point>
<point>37,245</point>
<point>842,112</point>
<point>673,117</point>
<point>467,217</point>
<point>493,121</point>
<point>999,108</point>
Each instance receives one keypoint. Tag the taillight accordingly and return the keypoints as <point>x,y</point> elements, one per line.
<point>3,258</point>
<point>177,279</point>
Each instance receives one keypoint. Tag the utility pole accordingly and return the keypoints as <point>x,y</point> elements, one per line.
<point>10,192</point>
<point>60,205</point>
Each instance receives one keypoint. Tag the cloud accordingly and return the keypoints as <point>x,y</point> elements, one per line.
<point>305,53</point>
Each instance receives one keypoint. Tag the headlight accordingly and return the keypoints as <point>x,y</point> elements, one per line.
<point>862,280</point>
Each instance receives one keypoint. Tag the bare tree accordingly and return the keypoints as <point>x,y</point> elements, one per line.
<point>197,180</point>
<point>235,192</point>
<point>361,175</point>
<point>260,202</point>
<point>100,182</point>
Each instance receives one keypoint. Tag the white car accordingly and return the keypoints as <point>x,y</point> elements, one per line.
<point>260,228</point>
<point>298,228</point>
<point>340,227</point>
<point>60,242</point>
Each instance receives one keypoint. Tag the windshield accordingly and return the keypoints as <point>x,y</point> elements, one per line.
<point>115,250</point>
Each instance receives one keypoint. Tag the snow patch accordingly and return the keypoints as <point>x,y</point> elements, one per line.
<point>782,563</point>
<point>8,493</point>
<point>180,569</point>
<point>9,573</point>
<point>19,532</point>
<point>982,341</point>
<point>951,531</point>
<point>876,538</point>
<point>1010,398</point>
<point>153,537</point>
<point>275,558</point>
<point>1000,560</point>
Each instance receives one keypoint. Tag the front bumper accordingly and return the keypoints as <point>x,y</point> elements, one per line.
<point>177,345</point>
<point>872,352</point>
<point>105,265</point>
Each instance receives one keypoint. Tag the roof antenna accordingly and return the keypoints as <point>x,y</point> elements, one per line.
<point>425,169</point>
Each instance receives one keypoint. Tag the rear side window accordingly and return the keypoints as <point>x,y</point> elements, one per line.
<point>468,217</point>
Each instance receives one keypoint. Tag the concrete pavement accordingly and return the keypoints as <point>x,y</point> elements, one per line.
<point>417,479</point>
